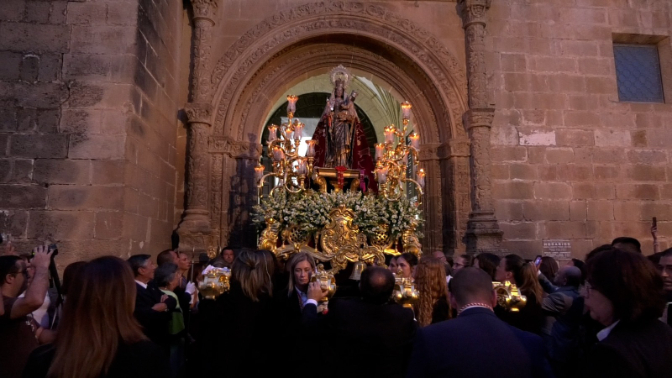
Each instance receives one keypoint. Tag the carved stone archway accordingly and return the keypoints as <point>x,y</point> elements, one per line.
<point>311,39</point>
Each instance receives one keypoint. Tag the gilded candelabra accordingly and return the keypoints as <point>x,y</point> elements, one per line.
<point>508,296</point>
<point>290,168</point>
<point>392,160</point>
<point>215,283</point>
<point>405,292</point>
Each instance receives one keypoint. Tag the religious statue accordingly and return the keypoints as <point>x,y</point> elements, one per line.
<point>340,137</point>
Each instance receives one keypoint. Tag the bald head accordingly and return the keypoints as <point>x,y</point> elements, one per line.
<point>568,276</point>
<point>471,285</point>
<point>377,284</point>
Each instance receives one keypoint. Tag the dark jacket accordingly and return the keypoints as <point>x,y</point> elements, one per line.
<point>238,337</point>
<point>140,360</point>
<point>529,318</point>
<point>154,323</point>
<point>636,350</point>
<point>365,339</point>
<point>477,344</point>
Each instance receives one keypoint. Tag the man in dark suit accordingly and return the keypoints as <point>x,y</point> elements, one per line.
<point>152,307</point>
<point>368,336</point>
<point>476,343</point>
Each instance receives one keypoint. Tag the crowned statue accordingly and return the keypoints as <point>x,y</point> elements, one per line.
<point>340,137</point>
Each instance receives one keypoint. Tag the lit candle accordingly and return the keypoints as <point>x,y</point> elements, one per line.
<point>291,104</point>
<point>272,133</point>
<point>301,166</point>
<point>406,110</point>
<point>415,140</point>
<point>288,134</point>
<point>311,148</point>
<point>382,174</point>
<point>258,172</point>
<point>278,154</point>
<point>298,131</point>
<point>421,178</point>
<point>380,150</point>
<point>389,134</point>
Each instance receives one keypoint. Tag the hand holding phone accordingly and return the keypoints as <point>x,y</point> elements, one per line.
<point>537,261</point>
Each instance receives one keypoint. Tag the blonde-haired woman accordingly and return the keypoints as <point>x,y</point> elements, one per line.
<point>430,281</point>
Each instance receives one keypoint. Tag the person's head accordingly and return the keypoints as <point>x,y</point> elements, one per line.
<point>430,281</point>
<point>97,318</point>
<point>597,251</point>
<point>376,285</point>
<point>665,268</point>
<point>514,269</point>
<point>472,286</point>
<point>579,264</point>
<point>622,286</point>
<point>300,267</point>
<point>462,261</point>
<point>143,267</point>
<point>167,276</point>
<point>339,89</point>
<point>13,275</point>
<point>72,276</point>
<point>569,276</point>
<point>166,257</point>
<point>627,244</point>
<point>228,255</point>
<point>549,267</point>
<point>254,271</point>
<point>183,262</point>
<point>406,262</point>
<point>439,255</point>
<point>488,262</point>
<point>392,266</point>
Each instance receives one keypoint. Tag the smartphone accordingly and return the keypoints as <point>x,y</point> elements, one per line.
<point>537,261</point>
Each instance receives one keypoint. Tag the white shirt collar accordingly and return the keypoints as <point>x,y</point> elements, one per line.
<point>605,332</point>
<point>144,285</point>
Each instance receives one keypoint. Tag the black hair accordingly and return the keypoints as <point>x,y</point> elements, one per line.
<point>8,266</point>
<point>164,257</point>
<point>628,241</point>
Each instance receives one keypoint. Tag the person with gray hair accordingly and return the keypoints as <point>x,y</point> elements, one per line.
<point>448,348</point>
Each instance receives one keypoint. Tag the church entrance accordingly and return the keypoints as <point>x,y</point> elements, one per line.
<point>394,62</point>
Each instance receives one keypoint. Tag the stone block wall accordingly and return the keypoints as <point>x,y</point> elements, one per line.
<point>86,158</point>
<point>569,160</point>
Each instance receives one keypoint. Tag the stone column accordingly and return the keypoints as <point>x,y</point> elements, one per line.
<point>483,233</point>
<point>194,229</point>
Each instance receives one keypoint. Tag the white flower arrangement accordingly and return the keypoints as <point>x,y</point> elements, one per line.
<point>309,210</point>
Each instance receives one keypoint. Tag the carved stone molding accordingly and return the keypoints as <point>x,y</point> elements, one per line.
<point>483,233</point>
<point>234,149</point>
<point>199,112</point>
<point>474,11</point>
<point>291,25</point>
<point>205,9</point>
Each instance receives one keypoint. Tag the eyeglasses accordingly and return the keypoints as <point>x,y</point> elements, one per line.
<point>24,272</point>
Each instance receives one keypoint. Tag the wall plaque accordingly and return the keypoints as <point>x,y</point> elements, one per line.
<point>558,249</point>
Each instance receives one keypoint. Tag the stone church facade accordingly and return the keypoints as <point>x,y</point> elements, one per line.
<point>123,122</point>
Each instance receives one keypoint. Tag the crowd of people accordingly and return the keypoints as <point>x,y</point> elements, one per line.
<point>607,315</point>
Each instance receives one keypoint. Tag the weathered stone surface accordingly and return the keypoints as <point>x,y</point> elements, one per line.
<point>69,197</point>
<point>60,171</point>
<point>60,225</point>
<point>22,196</point>
<point>39,146</point>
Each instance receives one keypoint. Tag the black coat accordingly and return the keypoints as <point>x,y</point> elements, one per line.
<point>140,360</point>
<point>635,350</point>
<point>154,323</point>
<point>477,344</point>
<point>364,339</point>
<point>237,336</point>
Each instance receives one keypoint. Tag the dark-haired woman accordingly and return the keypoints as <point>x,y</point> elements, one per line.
<point>406,263</point>
<point>514,269</point>
<point>98,335</point>
<point>624,293</point>
<point>487,262</point>
<point>239,328</point>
